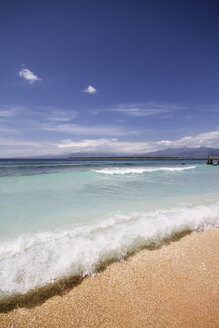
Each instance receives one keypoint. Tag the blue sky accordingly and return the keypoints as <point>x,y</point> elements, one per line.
<point>108,76</point>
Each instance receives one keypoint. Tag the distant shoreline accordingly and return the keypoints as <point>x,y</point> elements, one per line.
<point>122,157</point>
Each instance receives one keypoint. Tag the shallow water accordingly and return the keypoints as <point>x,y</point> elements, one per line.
<point>63,218</point>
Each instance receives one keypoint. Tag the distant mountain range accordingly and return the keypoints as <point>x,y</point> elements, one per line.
<point>186,152</point>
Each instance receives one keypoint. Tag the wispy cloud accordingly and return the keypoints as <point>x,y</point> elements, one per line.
<point>148,109</point>
<point>48,123</point>
<point>47,130</point>
<point>103,145</point>
<point>25,120</point>
<point>90,89</point>
<point>9,115</point>
<point>28,75</point>
<point>211,109</point>
<point>19,143</point>
<point>208,139</point>
<point>13,147</point>
<point>9,111</point>
<point>45,113</point>
<point>58,115</point>
<point>80,129</point>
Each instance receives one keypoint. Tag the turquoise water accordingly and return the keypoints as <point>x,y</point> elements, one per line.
<point>64,218</point>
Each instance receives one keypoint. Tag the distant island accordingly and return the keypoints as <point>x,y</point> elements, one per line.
<point>168,153</point>
<point>121,157</point>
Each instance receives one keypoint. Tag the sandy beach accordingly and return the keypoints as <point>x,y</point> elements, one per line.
<point>173,286</point>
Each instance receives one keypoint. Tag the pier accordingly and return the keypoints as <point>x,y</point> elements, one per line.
<point>212,158</point>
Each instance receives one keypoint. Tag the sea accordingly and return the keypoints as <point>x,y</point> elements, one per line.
<point>67,218</point>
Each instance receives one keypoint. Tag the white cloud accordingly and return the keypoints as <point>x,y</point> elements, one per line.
<point>19,125</point>
<point>28,75</point>
<point>90,89</point>
<point>19,148</point>
<point>103,145</point>
<point>208,139</point>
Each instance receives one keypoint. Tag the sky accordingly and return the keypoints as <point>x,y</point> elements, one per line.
<point>121,77</point>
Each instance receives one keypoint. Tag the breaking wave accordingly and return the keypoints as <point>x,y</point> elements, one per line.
<point>139,170</point>
<point>34,260</point>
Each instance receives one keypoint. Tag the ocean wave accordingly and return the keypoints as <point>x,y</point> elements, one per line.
<point>139,170</point>
<point>34,260</point>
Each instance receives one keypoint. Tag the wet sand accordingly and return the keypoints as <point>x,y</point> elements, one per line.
<point>173,286</point>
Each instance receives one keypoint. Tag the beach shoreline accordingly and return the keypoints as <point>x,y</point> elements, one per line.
<point>172,286</point>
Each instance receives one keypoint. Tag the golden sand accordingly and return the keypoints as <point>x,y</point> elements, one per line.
<point>174,286</point>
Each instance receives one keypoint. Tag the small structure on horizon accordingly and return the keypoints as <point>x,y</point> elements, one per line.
<point>212,158</point>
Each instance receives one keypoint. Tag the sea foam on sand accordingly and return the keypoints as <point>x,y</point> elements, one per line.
<point>173,286</point>
<point>35,260</point>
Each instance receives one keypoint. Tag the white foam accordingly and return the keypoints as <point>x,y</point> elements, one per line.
<point>34,260</point>
<point>139,170</point>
